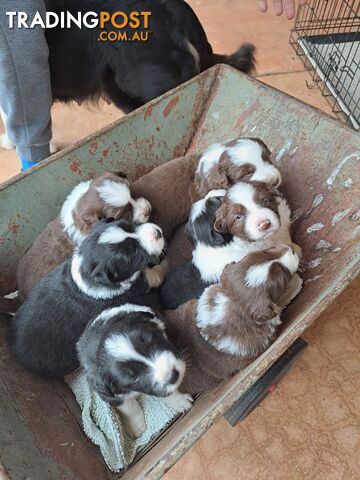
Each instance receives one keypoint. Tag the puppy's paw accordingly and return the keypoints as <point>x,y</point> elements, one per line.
<point>53,147</point>
<point>180,402</point>
<point>156,275</point>
<point>136,426</point>
<point>5,142</point>
<point>134,421</point>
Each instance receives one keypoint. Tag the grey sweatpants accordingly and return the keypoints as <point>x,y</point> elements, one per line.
<point>25,90</point>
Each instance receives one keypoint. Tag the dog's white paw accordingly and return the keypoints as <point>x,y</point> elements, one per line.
<point>133,418</point>
<point>180,402</point>
<point>135,426</point>
<point>5,142</point>
<point>53,147</point>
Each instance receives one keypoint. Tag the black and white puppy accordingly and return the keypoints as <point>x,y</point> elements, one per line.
<point>105,271</point>
<point>125,352</point>
<point>186,282</point>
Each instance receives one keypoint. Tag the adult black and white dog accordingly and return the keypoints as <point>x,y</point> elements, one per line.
<point>105,271</point>
<point>124,352</point>
<point>186,281</point>
<point>132,73</point>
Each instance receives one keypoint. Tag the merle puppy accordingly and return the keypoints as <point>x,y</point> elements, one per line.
<point>131,73</point>
<point>186,282</point>
<point>105,271</point>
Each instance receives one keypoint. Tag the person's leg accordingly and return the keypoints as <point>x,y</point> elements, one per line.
<point>25,89</point>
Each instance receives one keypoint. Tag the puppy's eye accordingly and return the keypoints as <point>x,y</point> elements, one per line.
<point>239,216</point>
<point>265,202</point>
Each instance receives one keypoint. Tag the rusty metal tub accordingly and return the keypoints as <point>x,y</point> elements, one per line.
<point>319,158</point>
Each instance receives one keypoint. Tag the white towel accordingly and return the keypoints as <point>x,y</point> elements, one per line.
<point>103,426</point>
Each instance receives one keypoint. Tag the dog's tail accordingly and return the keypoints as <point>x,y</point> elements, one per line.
<point>243,59</point>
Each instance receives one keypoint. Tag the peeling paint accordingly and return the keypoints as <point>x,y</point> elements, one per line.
<point>316,202</point>
<point>148,112</point>
<point>323,245</point>
<point>348,183</point>
<point>283,149</point>
<point>216,115</point>
<point>314,263</point>
<point>253,129</point>
<point>355,216</point>
<point>315,228</point>
<point>336,171</point>
<point>340,216</point>
<point>170,106</point>
<point>337,249</point>
<point>310,280</point>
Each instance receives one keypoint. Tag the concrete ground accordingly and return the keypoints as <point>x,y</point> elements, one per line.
<point>309,428</point>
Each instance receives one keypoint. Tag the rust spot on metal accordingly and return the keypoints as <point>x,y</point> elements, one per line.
<point>158,129</point>
<point>13,227</point>
<point>148,112</point>
<point>170,106</point>
<point>75,167</point>
<point>93,147</point>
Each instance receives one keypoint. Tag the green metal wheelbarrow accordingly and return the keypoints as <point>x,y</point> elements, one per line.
<point>319,158</point>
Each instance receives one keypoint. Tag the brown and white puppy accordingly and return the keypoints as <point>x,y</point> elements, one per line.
<point>234,321</point>
<point>90,201</point>
<point>255,217</point>
<point>174,186</point>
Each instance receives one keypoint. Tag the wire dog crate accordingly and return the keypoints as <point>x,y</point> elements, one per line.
<point>326,36</point>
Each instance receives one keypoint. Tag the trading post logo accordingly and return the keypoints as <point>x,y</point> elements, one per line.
<point>118,26</point>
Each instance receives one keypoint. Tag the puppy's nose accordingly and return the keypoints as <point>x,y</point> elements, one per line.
<point>174,376</point>
<point>158,233</point>
<point>264,225</point>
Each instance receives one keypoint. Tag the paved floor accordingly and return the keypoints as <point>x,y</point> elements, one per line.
<point>309,428</point>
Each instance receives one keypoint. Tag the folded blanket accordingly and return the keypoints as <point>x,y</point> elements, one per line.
<point>103,426</point>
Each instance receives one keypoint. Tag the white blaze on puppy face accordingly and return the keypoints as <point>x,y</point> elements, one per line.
<point>151,238</point>
<point>250,151</point>
<point>210,157</point>
<point>115,235</point>
<point>118,195</point>
<point>114,193</point>
<point>163,366</point>
<point>244,194</point>
<point>258,274</point>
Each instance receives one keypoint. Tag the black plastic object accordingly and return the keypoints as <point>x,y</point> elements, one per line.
<point>253,397</point>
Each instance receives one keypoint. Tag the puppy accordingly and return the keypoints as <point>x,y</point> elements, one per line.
<point>106,270</point>
<point>125,352</point>
<point>252,216</point>
<point>185,281</point>
<point>256,217</point>
<point>234,321</point>
<point>106,196</point>
<point>173,187</point>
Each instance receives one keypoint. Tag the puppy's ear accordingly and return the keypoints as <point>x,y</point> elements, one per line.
<point>232,172</point>
<point>220,225</point>
<point>119,173</point>
<point>278,279</point>
<point>85,219</point>
<point>214,180</point>
<point>262,310</point>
